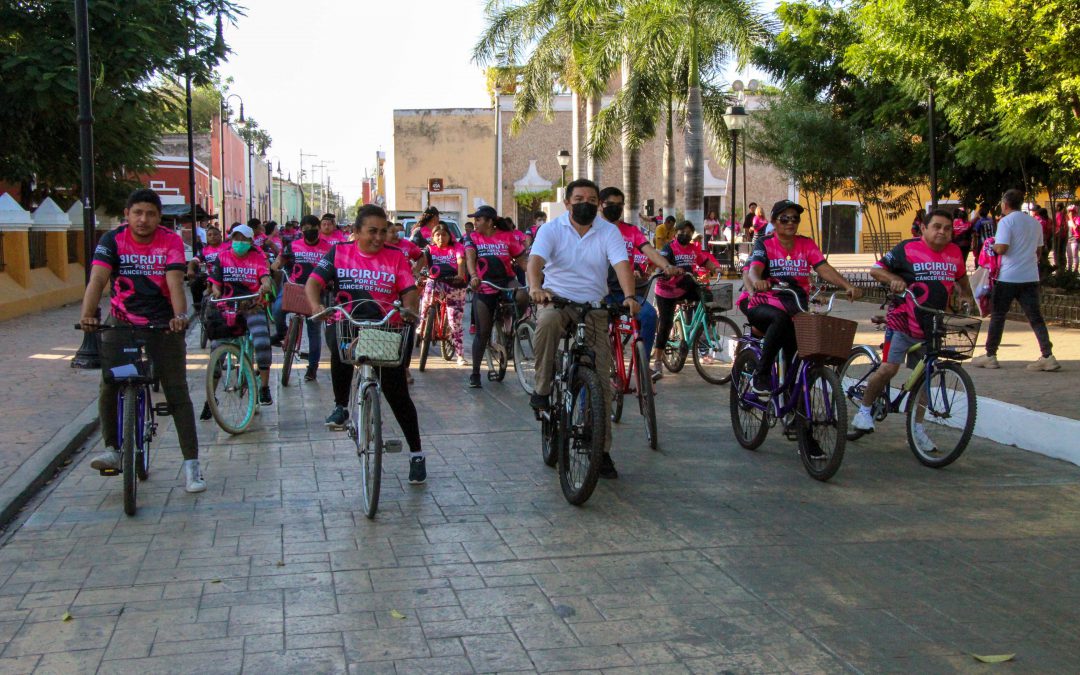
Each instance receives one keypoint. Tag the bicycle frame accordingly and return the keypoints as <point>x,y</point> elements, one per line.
<point>792,389</point>
<point>618,329</point>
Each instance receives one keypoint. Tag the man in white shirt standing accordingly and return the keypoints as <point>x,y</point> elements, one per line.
<point>570,258</point>
<point>1018,241</point>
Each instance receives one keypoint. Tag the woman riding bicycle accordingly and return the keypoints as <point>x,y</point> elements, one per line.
<point>490,254</point>
<point>208,255</point>
<point>242,270</point>
<point>365,269</point>
<point>685,256</point>
<point>782,256</point>
<point>445,262</point>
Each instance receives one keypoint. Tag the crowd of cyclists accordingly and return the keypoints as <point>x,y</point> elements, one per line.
<point>587,254</point>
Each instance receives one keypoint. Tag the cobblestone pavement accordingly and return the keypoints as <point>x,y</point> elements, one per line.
<point>701,557</point>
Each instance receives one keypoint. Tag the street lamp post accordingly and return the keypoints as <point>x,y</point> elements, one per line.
<point>564,161</point>
<point>735,118</point>
<point>88,356</point>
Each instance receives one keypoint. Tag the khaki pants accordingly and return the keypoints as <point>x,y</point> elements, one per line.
<point>551,323</point>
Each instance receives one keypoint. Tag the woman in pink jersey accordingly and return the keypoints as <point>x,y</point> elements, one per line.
<point>364,269</point>
<point>685,255</point>
<point>445,262</point>
<point>783,256</point>
<point>199,266</point>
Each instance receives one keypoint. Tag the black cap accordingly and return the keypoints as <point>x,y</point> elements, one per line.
<point>485,211</point>
<point>782,205</point>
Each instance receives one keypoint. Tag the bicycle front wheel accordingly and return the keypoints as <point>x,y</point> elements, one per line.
<point>749,423</point>
<point>367,417</point>
<point>854,375</point>
<point>581,437</point>
<point>230,389</point>
<point>428,334</point>
<point>525,356</point>
<point>127,447</point>
<point>142,452</point>
<point>714,349</point>
<point>675,350</point>
<point>822,436</point>
<point>497,357</point>
<point>292,349</point>
<point>646,396</point>
<point>941,414</point>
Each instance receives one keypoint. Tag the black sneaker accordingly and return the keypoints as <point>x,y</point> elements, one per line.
<point>205,414</point>
<point>607,467</point>
<point>310,376</point>
<point>813,449</point>
<point>264,396</point>
<point>540,401</point>
<point>338,418</point>
<point>277,340</point>
<point>474,381</point>
<point>760,385</point>
<point>417,471</point>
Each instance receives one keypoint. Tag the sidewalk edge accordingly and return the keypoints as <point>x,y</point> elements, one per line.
<point>1043,433</point>
<point>39,467</point>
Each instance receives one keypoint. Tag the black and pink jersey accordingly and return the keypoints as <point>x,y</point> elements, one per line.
<point>335,237</point>
<point>929,274</point>
<point>208,255</point>
<point>411,251</point>
<point>442,262</point>
<point>779,264</point>
<point>239,275</point>
<point>302,257</point>
<point>140,295</point>
<point>350,275</point>
<point>495,255</point>
<point>685,258</point>
<point>635,240</point>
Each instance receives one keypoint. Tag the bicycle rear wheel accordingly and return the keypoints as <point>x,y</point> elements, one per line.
<point>854,374</point>
<point>292,348</point>
<point>714,349</point>
<point>367,417</point>
<point>230,389</point>
<point>204,338</point>
<point>749,423</point>
<point>142,450</point>
<point>525,356</point>
<point>676,349</point>
<point>127,447</point>
<point>617,394</point>
<point>428,334</point>
<point>949,403</point>
<point>549,439</point>
<point>581,437</point>
<point>822,437</point>
<point>646,396</point>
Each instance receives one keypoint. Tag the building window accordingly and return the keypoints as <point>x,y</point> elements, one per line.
<point>38,257</point>
<point>73,247</point>
<point>157,185</point>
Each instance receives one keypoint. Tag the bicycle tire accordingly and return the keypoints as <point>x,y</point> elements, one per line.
<point>497,359</point>
<point>369,446</point>
<point>236,387</point>
<point>581,437</point>
<point>204,339</point>
<point>142,454</point>
<point>676,350</point>
<point>127,448</point>
<point>955,439</point>
<point>427,336</point>
<point>292,346</point>
<point>525,356</point>
<point>617,394</point>
<point>719,337</point>
<point>750,425</point>
<point>549,440</point>
<point>646,395</point>
<point>814,433</point>
<point>861,363</point>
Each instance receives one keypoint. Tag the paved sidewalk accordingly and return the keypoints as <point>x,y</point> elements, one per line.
<point>702,557</point>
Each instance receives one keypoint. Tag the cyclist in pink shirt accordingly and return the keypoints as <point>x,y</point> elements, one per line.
<point>445,262</point>
<point>298,258</point>
<point>208,254</point>
<point>783,256</point>
<point>681,254</point>
<point>329,231</point>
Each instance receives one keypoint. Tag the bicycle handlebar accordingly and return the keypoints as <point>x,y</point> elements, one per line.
<point>343,309</point>
<point>500,288</point>
<point>784,286</point>
<point>235,298</point>
<point>149,328</point>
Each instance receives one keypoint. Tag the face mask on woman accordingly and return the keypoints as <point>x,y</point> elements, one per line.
<point>241,247</point>
<point>683,238</point>
<point>311,236</point>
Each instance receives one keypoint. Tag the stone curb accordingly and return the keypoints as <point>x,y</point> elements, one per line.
<point>40,467</point>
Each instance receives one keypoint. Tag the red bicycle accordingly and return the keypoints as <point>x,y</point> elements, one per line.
<point>630,372</point>
<point>436,329</point>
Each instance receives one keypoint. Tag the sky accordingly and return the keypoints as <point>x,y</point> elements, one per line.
<point>324,76</point>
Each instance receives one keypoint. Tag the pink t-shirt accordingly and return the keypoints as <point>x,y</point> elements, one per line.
<point>760,224</point>
<point>335,237</point>
<point>494,257</point>
<point>302,257</point>
<point>140,295</point>
<point>792,266</point>
<point>685,258</point>
<point>409,249</point>
<point>209,255</point>
<point>354,275</point>
<point>929,274</point>
<point>239,274</point>
<point>443,262</point>
<point>639,261</point>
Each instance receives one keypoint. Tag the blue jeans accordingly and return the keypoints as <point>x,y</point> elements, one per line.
<point>646,320</point>
<point>314,335</point>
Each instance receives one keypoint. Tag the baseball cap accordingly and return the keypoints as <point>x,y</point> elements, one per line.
<point>242,229</point>
<point>1071,207</point>
<point>782,205</point>
<point>485,211</point>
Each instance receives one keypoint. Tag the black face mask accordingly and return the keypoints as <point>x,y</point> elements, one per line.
<point>584,213</point>
<point>683,239</point>
<point>613,213</point>
<point>311,236</point>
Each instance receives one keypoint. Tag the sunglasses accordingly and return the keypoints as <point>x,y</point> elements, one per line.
<point>789,220</point>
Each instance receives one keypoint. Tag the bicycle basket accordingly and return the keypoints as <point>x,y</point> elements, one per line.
<point>717,296</point>
<point>126,363</point>
<point>224,324</point>
<point>382,347</point>
<point>294,301</point>
<point>824,338</point>
<point>959,334</point>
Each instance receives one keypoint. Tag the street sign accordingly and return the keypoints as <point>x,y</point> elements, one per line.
<point>435,185</point>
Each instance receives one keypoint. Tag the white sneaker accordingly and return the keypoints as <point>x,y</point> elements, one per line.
<point>657,371</point>
<point>985,361</point>
<point>922,440</point>
<point>106,461</point>
<point>863,421</point>
<point>1045,364</point>
<point>193,476</point>
<point>461,361</point>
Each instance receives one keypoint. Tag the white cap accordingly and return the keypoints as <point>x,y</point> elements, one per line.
<point>242,229</point>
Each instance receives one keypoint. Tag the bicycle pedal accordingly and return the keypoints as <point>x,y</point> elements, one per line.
<point>162,409</point>
<point>109,472</point>
<point>393,446</point>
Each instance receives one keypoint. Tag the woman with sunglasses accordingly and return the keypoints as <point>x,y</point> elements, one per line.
<point>782,256</point>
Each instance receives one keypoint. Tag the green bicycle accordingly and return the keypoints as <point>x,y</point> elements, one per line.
<point>714,337</point>
<point>231,375</point>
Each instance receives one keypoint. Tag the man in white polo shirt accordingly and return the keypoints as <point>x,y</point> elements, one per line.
<point>570,258</point>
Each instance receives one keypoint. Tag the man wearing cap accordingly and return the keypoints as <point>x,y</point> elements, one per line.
<point>570,259</point>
